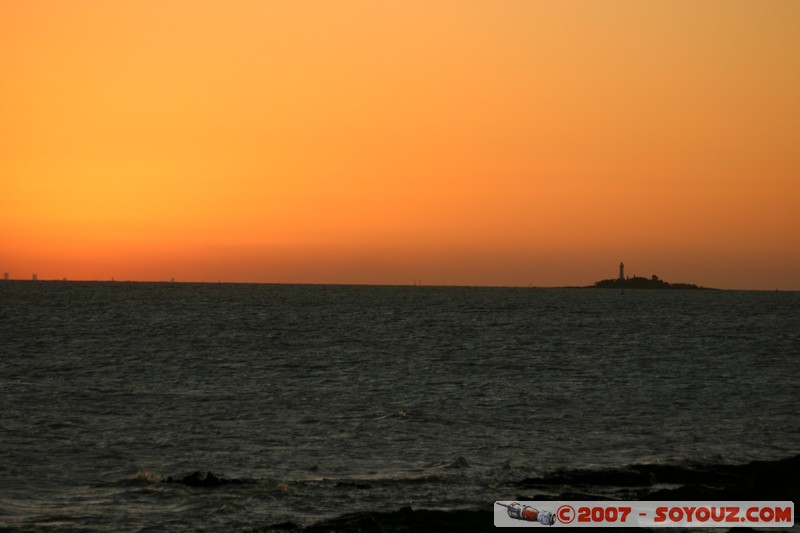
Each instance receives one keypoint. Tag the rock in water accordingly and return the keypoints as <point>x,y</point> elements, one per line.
<point>197,479</point>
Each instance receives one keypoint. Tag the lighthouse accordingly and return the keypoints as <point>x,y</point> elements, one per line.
<point>621,270</point>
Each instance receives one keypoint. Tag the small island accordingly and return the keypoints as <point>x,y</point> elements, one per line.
<point>637,282</point>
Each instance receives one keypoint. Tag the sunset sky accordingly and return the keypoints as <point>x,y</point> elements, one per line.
<point>496,142</point>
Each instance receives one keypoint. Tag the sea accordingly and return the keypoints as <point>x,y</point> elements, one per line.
<point>322,400</point>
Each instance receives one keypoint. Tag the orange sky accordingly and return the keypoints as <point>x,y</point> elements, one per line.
<point>496,142</point>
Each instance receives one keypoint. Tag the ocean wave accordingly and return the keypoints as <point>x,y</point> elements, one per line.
<point>146,475</point>
<point>404,519</point>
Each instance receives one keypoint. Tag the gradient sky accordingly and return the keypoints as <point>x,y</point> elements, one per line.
<point>496,142</point>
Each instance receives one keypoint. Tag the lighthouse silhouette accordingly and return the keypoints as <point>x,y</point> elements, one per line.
<point>621,270</point>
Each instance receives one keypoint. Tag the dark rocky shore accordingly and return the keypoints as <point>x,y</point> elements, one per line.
<point>757,480</point>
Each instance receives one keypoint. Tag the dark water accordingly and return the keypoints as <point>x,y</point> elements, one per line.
<point>339,399</point>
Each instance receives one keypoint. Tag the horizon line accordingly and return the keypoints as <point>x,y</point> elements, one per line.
<point>414,284</point>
